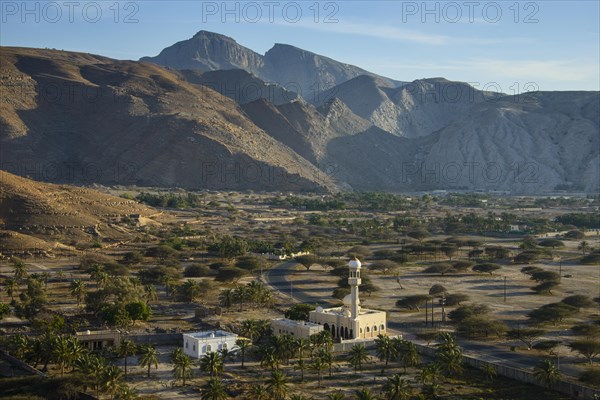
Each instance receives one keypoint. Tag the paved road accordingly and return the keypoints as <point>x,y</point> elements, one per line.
<point>278,278</point>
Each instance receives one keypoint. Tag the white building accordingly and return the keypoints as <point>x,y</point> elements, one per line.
<point>198,344</point>
<point>300,329</point>
<point>351,321</point>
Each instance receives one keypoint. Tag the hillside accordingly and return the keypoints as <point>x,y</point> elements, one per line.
<point>43,216</point>
<point>78,118</point>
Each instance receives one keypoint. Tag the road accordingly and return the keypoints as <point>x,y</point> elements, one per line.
<point>278,278</point>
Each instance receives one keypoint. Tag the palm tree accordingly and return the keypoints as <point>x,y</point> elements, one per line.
<point>91,368</point>
<point>489,371</point>
<point>65,351</point>
<point>407,353</point>
<point>430,374</point>
<point>226,298</point>
<point>20,270</point>
<point>251,328</point>
<point>318,365</point>
<point>277,385</point>
<point>148,358</point>
<point>335,396</point>
<point>300,365</point>
<point>243,345</point>
<point>358,356</point>
<point>448,355</point>
<point>112,379</point>
<point>211,363</point>
<point>19,345</point>
<point>126,348</point>
<point>327,358</point>
<point>11,286</point>
<point>302,344</point>
<point>182,366</point>
<point>397,388</point>
<point>258,392</point>
<point>385,350</point>
<point>78,289</point>
<point>127,393</point>
<point>583,246</point>
<point>300,397</point>
<point>269,357</point>
<point>546,372</point>
<point>364,394</point>
<point>213,390</point>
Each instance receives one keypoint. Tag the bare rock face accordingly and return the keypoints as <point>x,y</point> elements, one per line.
<point>297,70</point>
<point>208,51</point>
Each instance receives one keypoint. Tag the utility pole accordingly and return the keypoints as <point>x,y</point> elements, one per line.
<point>432,313</point>
<point>505,289</point>
<point>443,303</point>
<point>426,312</point>
<point>559,270</point>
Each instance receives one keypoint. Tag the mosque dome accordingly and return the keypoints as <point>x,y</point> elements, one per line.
<point>354,263</point>
<point>319,309</point>
<point>347,300</point>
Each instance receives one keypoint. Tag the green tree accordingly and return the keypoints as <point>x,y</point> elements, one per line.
<point>182,366</point>
<point>65,351</point>
<point>78,290</point>
<point>277,385</point>
<point>244,345</point>
<point>448,355</point>
<point>300,365</point>
<point>4,310</point>
<point>12,286</point>
<point>397,388</point>
<point>546,372</point>
<point>318,365</point>
<point>126,348</point>
<point>138,311</point>
<point>589,348</point>
<point>364,394</point>
<point>299,312</point>
<point>20,270</point>
<point>583,246</point>
<point>148,358</point>
<point>213,390</point>
<point>358,356</point>
<point>385,350</point>
<point>112,380</point>
<point>259,392</point>
<point>525,335</point>
<point>212,364</point>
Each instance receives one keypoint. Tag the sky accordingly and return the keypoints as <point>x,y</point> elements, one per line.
<point>507,46</point>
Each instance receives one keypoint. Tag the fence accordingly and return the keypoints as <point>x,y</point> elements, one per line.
<point>572,389</point>
<point>159,339</point>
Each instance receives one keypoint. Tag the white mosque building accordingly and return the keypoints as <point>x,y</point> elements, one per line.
<point>350,321</point>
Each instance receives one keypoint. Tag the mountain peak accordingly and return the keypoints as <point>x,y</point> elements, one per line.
<point>212,36</point>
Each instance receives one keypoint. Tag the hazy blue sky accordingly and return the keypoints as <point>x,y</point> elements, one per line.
<point>519,46</point>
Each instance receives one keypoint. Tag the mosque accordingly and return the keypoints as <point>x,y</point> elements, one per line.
<point>348,322</point>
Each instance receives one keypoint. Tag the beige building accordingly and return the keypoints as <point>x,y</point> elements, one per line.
<point>300,329</point>
<point>98,340</point>
<point>198,344</point>
<point>351,321</point>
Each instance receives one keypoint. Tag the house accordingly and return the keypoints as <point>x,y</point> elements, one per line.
<point>299,329</point>
<point>98,340</point>
<point>198,344</point>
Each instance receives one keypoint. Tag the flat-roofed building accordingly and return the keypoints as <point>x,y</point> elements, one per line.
<point>98,340</point>
<point>301,329</point>
<point>197,344</point>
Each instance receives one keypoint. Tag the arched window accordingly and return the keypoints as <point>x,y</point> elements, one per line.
<point>374,328</point>
<point>194,348</point>
<point>368,329</point>
<point>186,344</point>
<point>382,327</point>
<point>208,348</point>
<point>224,346</point>
<point>361,331</point>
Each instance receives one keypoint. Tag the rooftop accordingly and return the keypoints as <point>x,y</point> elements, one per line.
<point>210,334</point>
<point>291,322</point>
<point>340,311</point>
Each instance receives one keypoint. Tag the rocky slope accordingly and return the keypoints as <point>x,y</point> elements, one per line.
<point>297,70</point>
<point>70,117</point>
<point>35,215</point>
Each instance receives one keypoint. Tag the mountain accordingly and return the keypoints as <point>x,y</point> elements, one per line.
<point>240,86</point>
<point>78,118</point>
<point>543,142</point>
<point>415,109</point>
<point>297,70</point>
<point>46,217</point>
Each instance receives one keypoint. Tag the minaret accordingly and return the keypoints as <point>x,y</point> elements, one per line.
<point>354,281</point>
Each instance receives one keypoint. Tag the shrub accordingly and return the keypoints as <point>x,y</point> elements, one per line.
<point>455,299</point>
<point>230,274</point>
<point>440,268</point>
<point>197,271</point>
<point>590,376</point>
<point>553,312</point>
<point>579,301</point>
<point>486,268</point>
